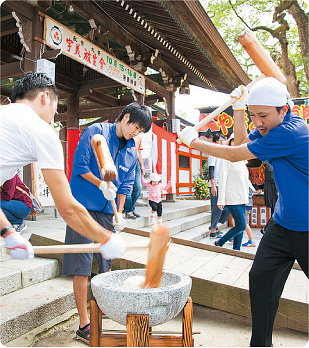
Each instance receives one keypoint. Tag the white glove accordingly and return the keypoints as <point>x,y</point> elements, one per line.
<point>240,93</point>
<point>187,135</point>
<point>114,248</point>
<point>20,248</point>
<point>121,224</point>
<point>109,193</point>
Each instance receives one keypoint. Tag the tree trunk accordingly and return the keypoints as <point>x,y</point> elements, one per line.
<point>302,22</point>
<point>288,67</point>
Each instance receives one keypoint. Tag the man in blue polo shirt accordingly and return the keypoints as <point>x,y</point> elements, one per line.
<point>93,194</point>
<point>282,139</point>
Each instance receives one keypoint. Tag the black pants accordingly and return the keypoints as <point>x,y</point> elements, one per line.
<point>156,207</point>
<point>274,259</point>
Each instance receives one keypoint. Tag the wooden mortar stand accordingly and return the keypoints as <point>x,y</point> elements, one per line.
<point>138,333</point>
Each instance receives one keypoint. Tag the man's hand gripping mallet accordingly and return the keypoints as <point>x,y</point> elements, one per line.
<point>108,173</point>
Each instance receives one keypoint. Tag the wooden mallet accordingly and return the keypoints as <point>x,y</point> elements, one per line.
<point>261,59</point>
<point>106,164</point>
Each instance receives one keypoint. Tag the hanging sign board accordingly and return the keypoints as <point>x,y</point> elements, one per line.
<point>78,48</point>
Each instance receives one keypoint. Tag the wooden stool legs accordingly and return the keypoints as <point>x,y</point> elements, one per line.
<point>96,321</point>
<point>138,331</point>
<point>187,317</point>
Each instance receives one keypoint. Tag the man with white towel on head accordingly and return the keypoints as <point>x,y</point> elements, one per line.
<point>282,139</point>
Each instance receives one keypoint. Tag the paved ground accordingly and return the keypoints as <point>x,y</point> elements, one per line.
<point>217,328</point>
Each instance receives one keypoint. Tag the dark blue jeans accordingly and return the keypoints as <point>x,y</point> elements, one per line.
<point>15,211</point>
<point>217,215</point>
<point>239,214</point>
<point>131,199</point>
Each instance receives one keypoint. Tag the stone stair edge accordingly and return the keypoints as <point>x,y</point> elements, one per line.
<point>15,275</point>
<point>58,299</point>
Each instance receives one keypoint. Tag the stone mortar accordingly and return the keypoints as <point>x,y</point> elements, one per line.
<point>162,304</point>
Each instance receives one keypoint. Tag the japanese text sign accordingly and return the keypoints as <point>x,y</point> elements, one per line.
<point>76,47</point>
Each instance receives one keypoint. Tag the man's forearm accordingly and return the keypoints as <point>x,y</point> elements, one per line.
<point>121,198</point>
<point>212,182</point>
<point>92,178</point>
<point>240,127</point>
<point>4,222</point>
<point>230,153</point>
<point>72,212</point>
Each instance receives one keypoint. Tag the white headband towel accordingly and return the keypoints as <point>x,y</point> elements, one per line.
<point>269,92</point>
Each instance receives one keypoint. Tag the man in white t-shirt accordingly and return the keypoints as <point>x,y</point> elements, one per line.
<point>26,137</point>
<point>217,215</point>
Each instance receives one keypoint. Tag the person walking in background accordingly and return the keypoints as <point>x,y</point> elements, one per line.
<point>251,242</point>
<point>155,189</point>
<point>217,215</point>
<point>129,205</point>
<point>15,202</point>
<point>270,188</point>
<point>233,194</point>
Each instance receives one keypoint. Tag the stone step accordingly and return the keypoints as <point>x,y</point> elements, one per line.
<point>30,298</point>
<point>180,224</point>
<point>198,234</point>
<point>143,221</point>
<point>17,274</point>
<point>33,306</point>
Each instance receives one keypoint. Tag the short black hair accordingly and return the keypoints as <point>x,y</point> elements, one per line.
<point>139,114</point>
<point>280,107</point>
<point>30,85</point>
<point>217,136</point>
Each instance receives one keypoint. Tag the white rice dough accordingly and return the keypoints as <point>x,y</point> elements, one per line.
<point>134,282</point>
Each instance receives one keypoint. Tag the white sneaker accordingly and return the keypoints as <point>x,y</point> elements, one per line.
<point>153,219</point>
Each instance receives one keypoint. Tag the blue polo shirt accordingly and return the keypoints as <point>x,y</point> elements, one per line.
<point>89,195</point>
<point>286,149</point>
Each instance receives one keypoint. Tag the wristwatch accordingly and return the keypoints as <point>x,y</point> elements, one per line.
<point>5,229</point>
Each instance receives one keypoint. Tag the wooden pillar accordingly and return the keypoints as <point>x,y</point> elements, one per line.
<point>95,318</point>
<point>187,315</point>
<point>30,28</point>
<point>137,330</point>
<point>140,98</point>
<point>63,139</point>
<point>72,126</point>
<point>72,110</point>
<point>170,106</point>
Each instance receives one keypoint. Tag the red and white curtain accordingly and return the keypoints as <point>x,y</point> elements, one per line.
<point>164,156</point>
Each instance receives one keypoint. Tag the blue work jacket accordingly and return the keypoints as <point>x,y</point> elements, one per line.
<point>88,194</point>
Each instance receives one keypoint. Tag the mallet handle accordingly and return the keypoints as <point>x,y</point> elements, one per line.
<point>97,142</point>
<point>221,108</point>
<point>74,248</point>
<point>67,249</point>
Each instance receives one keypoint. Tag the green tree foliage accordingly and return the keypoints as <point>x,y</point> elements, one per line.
<point>205,172</point>
<point>280,25</point>
<point>201,190</point>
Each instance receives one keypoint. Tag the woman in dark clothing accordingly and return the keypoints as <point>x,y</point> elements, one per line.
<point>15,202</point>
<point>270,189</point>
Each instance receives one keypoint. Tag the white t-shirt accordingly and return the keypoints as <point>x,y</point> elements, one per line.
<point>233,183</point>
<point>26,138</point>
<point>214,162</point>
